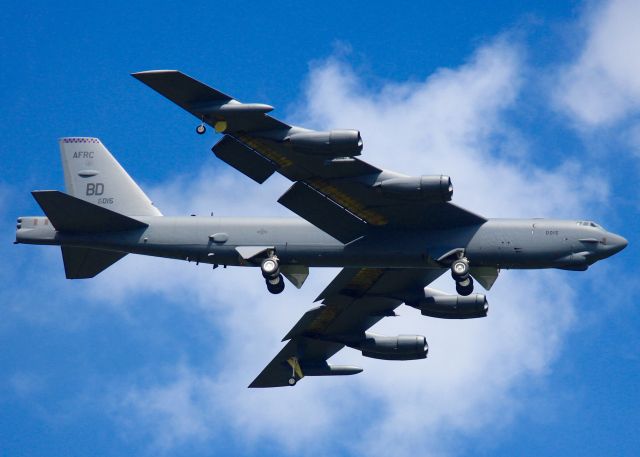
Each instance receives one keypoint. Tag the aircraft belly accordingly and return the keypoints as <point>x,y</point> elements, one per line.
<point>501,243</point>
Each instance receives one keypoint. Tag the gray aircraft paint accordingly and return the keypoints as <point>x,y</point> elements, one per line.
<point>89,168</point>
<point>392,234</point>
<point>88,165</point>
<point>503,243</point>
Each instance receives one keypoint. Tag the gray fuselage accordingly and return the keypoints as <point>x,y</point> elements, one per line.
<point>501,243</point>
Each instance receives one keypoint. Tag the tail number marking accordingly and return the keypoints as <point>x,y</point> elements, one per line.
<point>95,188</point>
<point>83,155</point>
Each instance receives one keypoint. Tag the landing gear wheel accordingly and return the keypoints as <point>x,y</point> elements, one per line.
<point>460,269</point>
<point>276,285</point>
<point>270,268</point>
<point>292,381</point>
<point>201,129</point>
<point>465,287</point>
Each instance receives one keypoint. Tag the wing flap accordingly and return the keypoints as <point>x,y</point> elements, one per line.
<point>351,282</point>
<point>244,159</point>
<point>322,212</point>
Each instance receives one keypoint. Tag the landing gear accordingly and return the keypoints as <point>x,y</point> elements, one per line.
<point>296,371</point>
<point>460,268</point>
<point>201,129</point>
<point>276,285</point>
<point>460,274</point>
<point>270,267</point>
<point>465,287</point>
<point>271,273</point>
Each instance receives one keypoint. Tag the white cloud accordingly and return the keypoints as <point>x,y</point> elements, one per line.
<point>603,84</point>
<point>453,122</point>
<point>174,412</point>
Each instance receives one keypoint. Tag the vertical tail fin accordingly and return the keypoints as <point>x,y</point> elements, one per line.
<point>92,174</point>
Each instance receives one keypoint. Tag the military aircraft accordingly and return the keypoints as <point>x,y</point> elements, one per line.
<point>392,234</point>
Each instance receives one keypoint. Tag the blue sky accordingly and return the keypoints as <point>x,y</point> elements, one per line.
<point>531,107</point>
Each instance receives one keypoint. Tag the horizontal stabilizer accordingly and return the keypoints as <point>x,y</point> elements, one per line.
<point>80,263</point>
<point>71,214</point>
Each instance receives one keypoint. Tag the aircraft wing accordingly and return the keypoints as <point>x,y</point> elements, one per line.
<point>353,302</point>
<point>207,103</point>
<point>339,195</point>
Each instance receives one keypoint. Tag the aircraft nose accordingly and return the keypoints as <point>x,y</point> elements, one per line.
<point>616,243</point>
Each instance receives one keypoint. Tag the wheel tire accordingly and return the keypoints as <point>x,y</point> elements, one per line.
<point>201,129</point>
<point>270,268</point>
<point>275,287</point>
<point>466,289</point>
<point>460,269</point>
<point>292,381</point>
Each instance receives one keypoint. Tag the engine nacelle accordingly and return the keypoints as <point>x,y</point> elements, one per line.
<point>332,144</point>
<point>446,306</point>
<point>433,188</point>
<point>403,347</point>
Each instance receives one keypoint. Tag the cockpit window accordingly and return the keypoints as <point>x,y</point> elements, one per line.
<point>588,224</point>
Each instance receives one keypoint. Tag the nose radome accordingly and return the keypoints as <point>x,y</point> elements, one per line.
<point>616,243</point>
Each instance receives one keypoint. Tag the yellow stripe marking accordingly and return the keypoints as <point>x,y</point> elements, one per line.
<point>319,184</point>
<point>294,363</point>
<point>347,201</point>
<point>360,283</point>
<point>265,150</point>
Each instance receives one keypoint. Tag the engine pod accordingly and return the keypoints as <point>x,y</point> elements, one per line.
<point>331,144</point>
<point>402,347</point>
<point>433,188</point>
<point>454,306</point>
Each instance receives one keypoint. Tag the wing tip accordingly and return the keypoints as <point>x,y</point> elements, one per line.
<point>146,75</point>
<point>256,384</point>
<point>147,72</point>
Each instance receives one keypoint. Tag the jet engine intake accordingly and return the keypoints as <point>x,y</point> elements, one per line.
<point>454,306</point>
<point>403,347</point>
<point>432,188</point>
<point>331,144</point>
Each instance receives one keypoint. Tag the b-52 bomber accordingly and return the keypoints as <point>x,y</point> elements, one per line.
<point>392,234</point>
